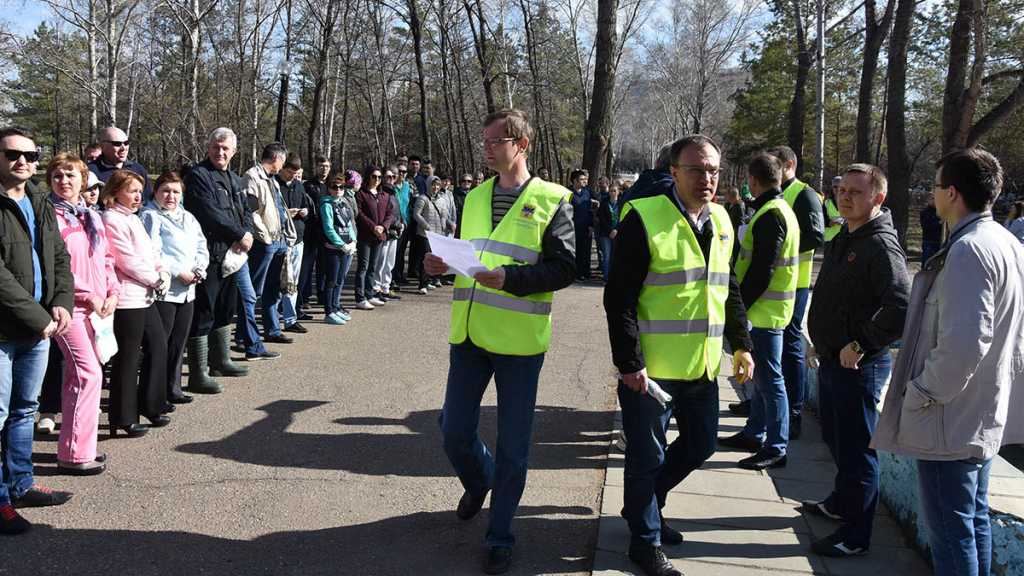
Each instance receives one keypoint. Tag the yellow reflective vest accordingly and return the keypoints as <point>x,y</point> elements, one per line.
<point>831,213</point>
<point>806,258</point>
<point>681,309</point>
<point>495,320</point>
<point>774,309</point>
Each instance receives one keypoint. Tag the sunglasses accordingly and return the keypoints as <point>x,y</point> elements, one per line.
<point>118,143</point>
<point>389,175</point>
<point>337,187</point>
<point>402,171</point>
<point>376,176</point>
<point>467,180</point>
<point>13,155</point>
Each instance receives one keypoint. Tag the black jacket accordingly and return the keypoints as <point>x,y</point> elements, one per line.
<point>605,223</point>
<point>21,317</point>
<point>650,183</point>
<point>630,262</point>
<point>862,290</point>
<point>294,194</point>
<point>769,234</point>
<point>217,200</point>
<point>314,228</point>
<point>811,216</point>
<point>931,225</point>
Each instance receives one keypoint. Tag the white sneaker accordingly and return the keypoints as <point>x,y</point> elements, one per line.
<point>423,291</point>
<point>364,305</point>
<point>376,301</point>
<point>46,424</point>
<point>431,286</point>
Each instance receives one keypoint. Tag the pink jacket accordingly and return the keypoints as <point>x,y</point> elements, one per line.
<point>93,269</point>
<point>135,257</point>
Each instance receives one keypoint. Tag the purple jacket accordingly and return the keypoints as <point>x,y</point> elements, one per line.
<point>373,211</point>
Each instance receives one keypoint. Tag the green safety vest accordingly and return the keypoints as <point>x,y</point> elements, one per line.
<point>831,213</point>
<point>806,258</point>
<point>774,308</point>
<point>681,309</point>
<point>497,321</point>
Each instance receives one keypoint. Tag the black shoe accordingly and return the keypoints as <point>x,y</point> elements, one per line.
<point>305,317</point>
<point>833,546</point>
<point>742,442</point>
<point>131,430</point>
<point>795,426</point>
<point>39,496</point>
<point>499,560</point>
<point>82,469</point>
<point>279,339</point>
<point>652,561</point>
<point>740,408</point>
<point>12,523</point>
<point>168,408</point>
<point>265,355</point>
<point>469,505</point>
<point>296,328</point>
<point>238,348</point>
<point>819,509</point>
<point>183,399</point>
<point>158,421</point>
<point>669,535</point>
<point>762,461</point>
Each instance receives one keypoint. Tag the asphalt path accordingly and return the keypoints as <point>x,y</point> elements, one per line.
<point>329,461</point>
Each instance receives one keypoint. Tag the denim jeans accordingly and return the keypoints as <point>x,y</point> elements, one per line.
<point>769,410</point>
<point>289,302</point>
<point>605,252</point>
<point>794,367</point>
<point>954,501</point>
<point>848,402</point>
<point>262,282</point>
<point>336,265</point>
<point>366,253</point>
<point>246,331</point>
<point>654,467</point>
<point>515,378</point>
<point>22,367</point>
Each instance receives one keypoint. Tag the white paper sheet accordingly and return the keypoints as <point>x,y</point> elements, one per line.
<point>457,254</point>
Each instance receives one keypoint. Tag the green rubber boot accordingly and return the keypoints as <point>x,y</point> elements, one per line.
<point>199,380</point>
<point>220,354</point>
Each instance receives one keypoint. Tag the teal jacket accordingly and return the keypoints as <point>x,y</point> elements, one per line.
<point>331,211</point>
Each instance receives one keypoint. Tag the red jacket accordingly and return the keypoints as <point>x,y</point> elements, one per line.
<point>373,211</point>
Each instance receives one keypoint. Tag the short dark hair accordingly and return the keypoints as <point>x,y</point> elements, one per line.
<point>690,140</point>
<point>426,161</point>
<point>784,153</point>
<point>577,173</point>
<point>16,131</point>
<point>293,162</point>
<point>517,123</point>
<point>766,169</point>
<point>879,183</point>
<point>320,159</point>
<point>272,151</point>
<point>976,174</point>
<point>415,158</point>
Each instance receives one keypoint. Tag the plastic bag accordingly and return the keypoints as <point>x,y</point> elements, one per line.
<point>103,336</point>
<point>233,262</point>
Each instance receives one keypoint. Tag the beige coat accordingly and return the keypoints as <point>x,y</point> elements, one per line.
<point>266,218</point>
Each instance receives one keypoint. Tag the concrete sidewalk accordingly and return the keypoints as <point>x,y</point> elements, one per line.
<point>745,523</point>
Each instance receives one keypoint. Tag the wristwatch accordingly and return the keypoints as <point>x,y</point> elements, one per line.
<point>855,346</point>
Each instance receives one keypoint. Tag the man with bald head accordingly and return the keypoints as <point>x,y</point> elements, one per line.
<point>114,145</point>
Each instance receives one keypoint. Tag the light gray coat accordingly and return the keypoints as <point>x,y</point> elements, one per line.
<point>951,396</point>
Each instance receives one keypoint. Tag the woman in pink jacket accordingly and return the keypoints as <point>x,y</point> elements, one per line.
<point>96,290</point>
<point>137,324</point>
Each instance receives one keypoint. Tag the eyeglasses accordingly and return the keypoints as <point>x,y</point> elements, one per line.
<point>337,187</point>
<point>402,171</point>
<point>491,142</point>
<point>13,155</point>
<point>698,171</point>
<point>119,143</point>
<point>467,181</point>
<point>389,175</point>
<point>375,176</point>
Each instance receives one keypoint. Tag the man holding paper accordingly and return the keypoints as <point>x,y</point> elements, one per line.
<point>521,230</point>
<point>670,298</point>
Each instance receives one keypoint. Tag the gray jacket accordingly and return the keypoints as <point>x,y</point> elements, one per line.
<point>951,393</point>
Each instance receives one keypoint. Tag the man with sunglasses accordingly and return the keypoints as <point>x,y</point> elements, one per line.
<point>36,299</point>
<point>459,195</point>
<point>114,145</point>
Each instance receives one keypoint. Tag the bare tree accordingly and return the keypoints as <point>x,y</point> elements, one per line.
<point>875,32</point>
<point>899,167</point>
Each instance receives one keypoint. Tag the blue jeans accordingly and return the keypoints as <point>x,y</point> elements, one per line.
<point>605,254</point>
<point>849,412</point>
<point>22,367</point>
<point>262,277</point>
<point>954,501</point>
<point>336,265</point>
<point>654,467</point>
<point>769,410</point>
<point>366,253</point>
<point>794,368</point>
<point>515,378</point>
<point>289,302</point>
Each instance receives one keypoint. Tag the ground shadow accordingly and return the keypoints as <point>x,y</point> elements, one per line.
<point>563,438</point>
<point>420,543</point>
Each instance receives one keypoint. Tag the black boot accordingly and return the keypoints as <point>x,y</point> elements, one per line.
<point>795,425</point>
<point>199,380</point>
<point>652,560</point>
<point>220,354</point>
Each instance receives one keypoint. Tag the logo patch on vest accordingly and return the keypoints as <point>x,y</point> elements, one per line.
<point>528,211</point>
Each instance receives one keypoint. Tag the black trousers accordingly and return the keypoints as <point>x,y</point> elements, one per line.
<point>420,247</point>
<point>138,330</point>
<point>583,251</point>
<point>53,382</point>
<point>176,319</point>
<point>398,272</point>
<point>216,301</point>
<point>310,261</point>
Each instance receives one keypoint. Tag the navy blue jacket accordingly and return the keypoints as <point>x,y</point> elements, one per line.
<point>103,172</point>
<point>217,200</point>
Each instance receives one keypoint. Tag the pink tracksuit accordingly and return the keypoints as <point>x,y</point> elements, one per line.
<point>93,269</point>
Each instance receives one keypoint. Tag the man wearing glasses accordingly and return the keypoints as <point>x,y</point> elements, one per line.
<point>36,299</point>
<point>459,194</point>
<point>521,228</point>
<point>114,156</point>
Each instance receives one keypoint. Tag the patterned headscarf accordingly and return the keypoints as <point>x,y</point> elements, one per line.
<point>89,217</point>
<point>353,179</point>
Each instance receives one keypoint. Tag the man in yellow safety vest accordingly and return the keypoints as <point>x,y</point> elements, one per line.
<point>522,230</point>
<point>671,299</point>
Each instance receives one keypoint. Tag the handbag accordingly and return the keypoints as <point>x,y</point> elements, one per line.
<point>103,336</point>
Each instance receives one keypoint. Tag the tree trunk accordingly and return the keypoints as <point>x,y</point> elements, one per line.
<point>596,137</point>
<point>899,167</point>
<point>959,101</point>
<point>416,28</point>
<point>798,105</point>
<point>94,71</point>
<point>320,79</point>
<point>111,67</point>
<point>875,31</point>
<point>478,26</point>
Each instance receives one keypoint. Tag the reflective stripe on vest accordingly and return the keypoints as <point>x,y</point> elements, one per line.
<point>681,309</point>
<point>495,320</point>
<point>831,213</point>
<point>774,308</point>
<point>806,258</point>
